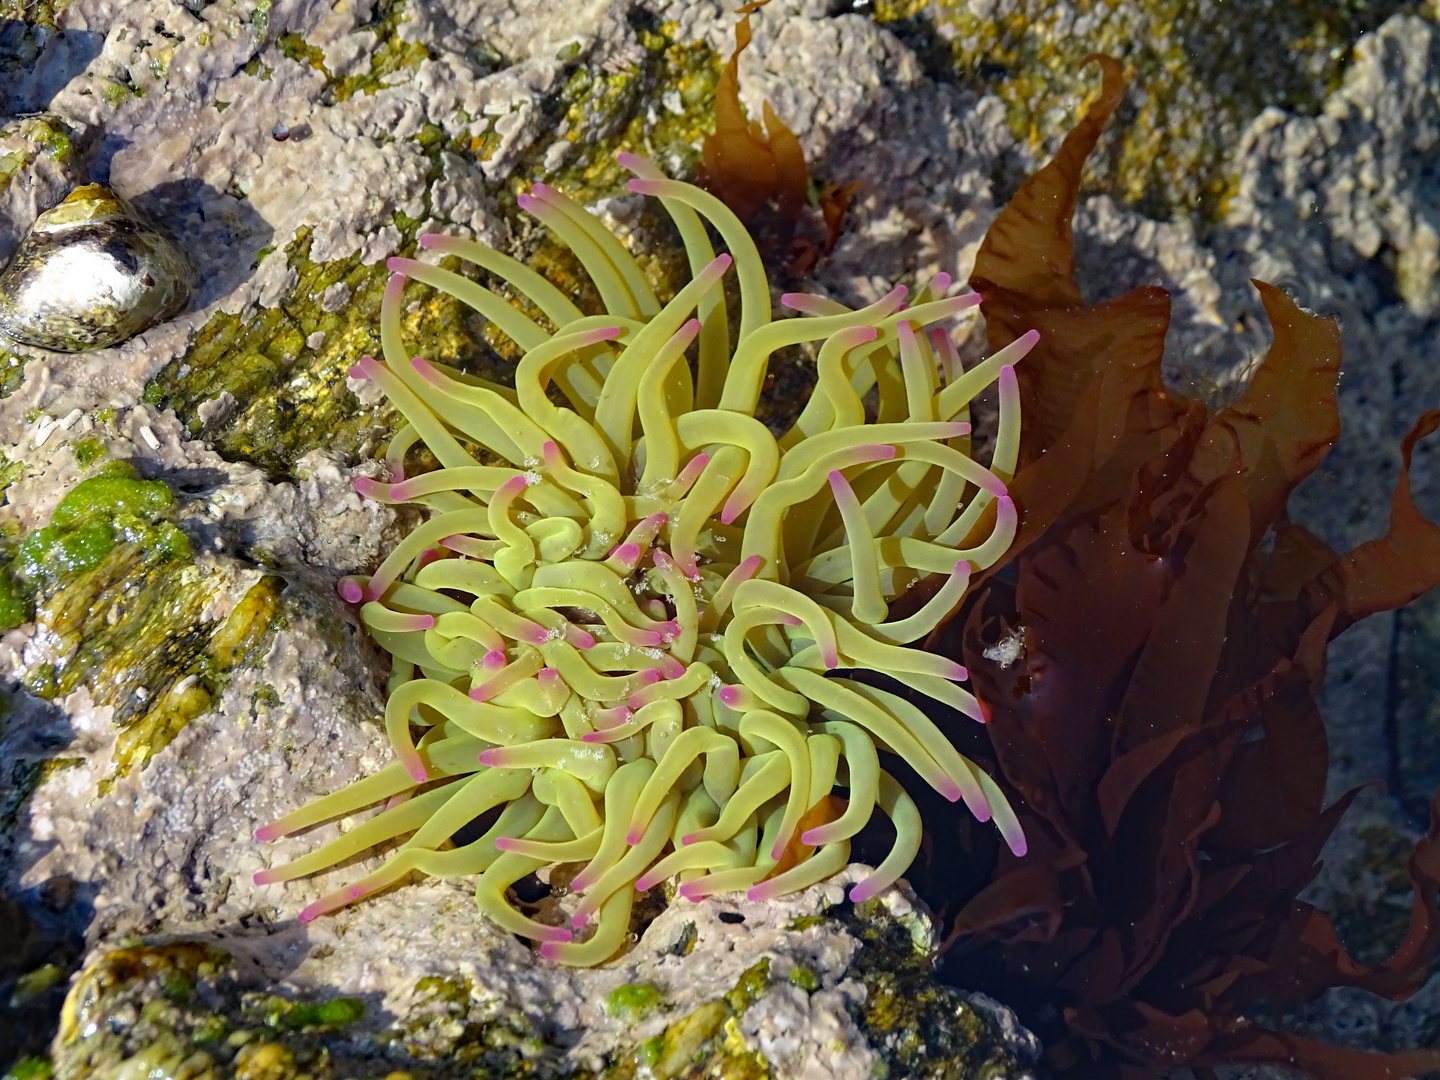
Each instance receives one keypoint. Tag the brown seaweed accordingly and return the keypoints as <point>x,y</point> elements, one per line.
<point>1159,732</point>
<point>761,175</point>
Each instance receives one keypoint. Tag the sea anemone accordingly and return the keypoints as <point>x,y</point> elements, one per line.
<point>642,624</point>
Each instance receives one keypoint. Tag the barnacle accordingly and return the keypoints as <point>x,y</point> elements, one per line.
<point>640,635</point>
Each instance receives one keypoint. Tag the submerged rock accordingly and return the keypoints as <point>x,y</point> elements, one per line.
<point>91,273</point>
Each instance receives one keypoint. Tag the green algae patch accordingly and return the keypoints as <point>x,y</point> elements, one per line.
<point>276,1012</point>
<point>804,978</point>
<point>115,595</point>
<point>292,398</point>
<point>632,1003</point>
<point>177,1011</point>
<point>111,497</point>
<point>705,1042</point>
<point>24,139</point>
<point>91,519</point>
<point>1196,78</point>
<point>30,1068</point>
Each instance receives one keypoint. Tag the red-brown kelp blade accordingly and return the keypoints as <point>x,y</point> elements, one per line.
<point>1163,630</point>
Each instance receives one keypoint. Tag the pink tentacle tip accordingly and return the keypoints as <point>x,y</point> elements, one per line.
<point>266,877</point>
<point>670,668</point>
<point>358,373</point>
<point>595,737</point>
<point>956,672</point>
<point>729,695</point>
<point>940,282</point>
<point>691,891</point>
<point>645,884</point>
<point>626,160</point>
<point>814,837</point>
<point>762,893</point>
<point>721,264</point>
<point>550,678</point>
<point>634,836</point>
<point>394,287</point>
<point>429,240</point>
<point>493,660</point>
<point>505,843</point>
<point>647,639</point>
<point>417,771</point>
<point>627,553</point>
<point>494,757</point>
<point>266,833</point>
<point>312,912</point>
<point>549,950</point>
<point>526,202</point>
<point>350,591</point>
<point>542,190</point>
<point>553,935</point>
<point>862,892</point>
<point>791,620</point>
<point>830,658</point>
<point>580,639</point>
<point>1017,844</point>
<point>539,635</point>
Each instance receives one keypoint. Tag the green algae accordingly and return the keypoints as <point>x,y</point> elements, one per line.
<point>276,1012</point>
<point>178,1012</point>
<point>1199,72</point>
<point>24,139</point>
<point>804,978</point>
<point>114,591</point>
<point>292,398</point>
<point>30,1068</point>
<point>705,1042</point>
<point>632,1003</point>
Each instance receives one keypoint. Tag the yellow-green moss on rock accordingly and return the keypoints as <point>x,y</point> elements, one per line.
<point>1199,72</point>
<point>117,600</point>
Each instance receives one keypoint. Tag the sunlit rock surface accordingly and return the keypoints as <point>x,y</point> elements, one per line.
<point>291,147</point>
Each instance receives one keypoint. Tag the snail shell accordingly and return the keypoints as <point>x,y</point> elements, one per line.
<point>91,273</point>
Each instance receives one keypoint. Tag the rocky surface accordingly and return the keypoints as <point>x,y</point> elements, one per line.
<point>291,147</point>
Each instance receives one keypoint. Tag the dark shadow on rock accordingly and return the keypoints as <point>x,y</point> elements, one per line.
<point>218,232</point>
<point>36,63</point>
<point>42,923</point>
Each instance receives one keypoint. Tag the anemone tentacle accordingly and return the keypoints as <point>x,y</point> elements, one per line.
<point>638,631</point>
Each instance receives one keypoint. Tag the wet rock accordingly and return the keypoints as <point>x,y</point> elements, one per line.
<point>91,273</point>
<point>809,986</point>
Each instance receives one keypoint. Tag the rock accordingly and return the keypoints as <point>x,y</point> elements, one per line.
<point>720,988</point>
<point>211,119</point>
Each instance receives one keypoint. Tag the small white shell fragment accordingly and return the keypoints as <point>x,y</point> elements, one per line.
<point>149,437</point>
<point>69,421</point>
